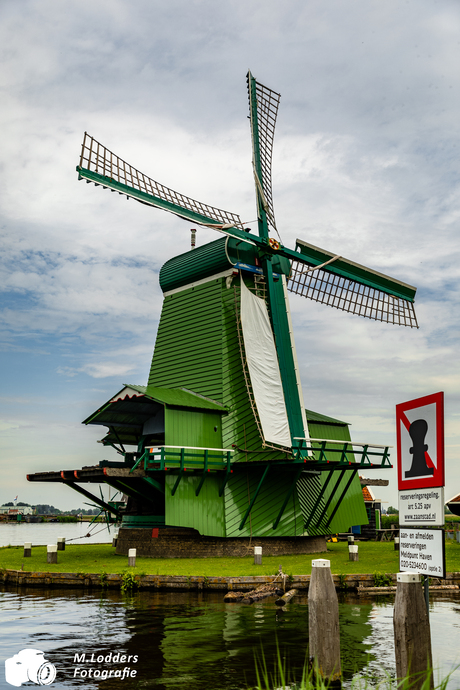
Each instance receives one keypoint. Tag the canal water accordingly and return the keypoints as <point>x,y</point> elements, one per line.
<point>193,641</point>
<point>43,533</point>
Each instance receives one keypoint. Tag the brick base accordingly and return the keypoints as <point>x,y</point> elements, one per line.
<point>177,542</point>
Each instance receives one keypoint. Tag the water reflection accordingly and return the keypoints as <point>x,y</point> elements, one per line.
<point>193,640</point>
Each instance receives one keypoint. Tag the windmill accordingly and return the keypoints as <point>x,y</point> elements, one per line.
<point>221,428</point>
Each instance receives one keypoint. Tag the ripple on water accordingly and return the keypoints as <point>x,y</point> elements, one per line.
<point>195,641</point>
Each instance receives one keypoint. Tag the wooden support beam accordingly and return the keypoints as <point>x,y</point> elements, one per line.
<point>227,473</point>
<point>286,499</point>
<point>329,500</point>
<point>181,471</point>
<point>205,471</point>
<point>318,500</point>
<point>254,498</point>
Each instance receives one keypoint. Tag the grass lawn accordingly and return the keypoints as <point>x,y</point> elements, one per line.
<point>98,558</point>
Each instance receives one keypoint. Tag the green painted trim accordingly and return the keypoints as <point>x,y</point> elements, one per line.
<point>145,198</point>
<point>361,274</point>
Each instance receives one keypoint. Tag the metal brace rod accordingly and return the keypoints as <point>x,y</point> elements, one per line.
<point>98,501</point>
<point>254,498</point>
<point>318,500</point>
<point>342,495</point>
<point>130,490</point>
<point>328,502</point>
<point>288,496</point>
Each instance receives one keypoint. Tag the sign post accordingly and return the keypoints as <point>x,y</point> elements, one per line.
<point>420,444</point>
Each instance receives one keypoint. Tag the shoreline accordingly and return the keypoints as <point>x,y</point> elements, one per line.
<point>361,583</point>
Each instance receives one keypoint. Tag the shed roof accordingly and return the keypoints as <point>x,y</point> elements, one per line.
<point>133,405</point>
<point>317,417</point>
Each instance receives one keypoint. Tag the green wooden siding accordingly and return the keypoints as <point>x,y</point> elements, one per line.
<point>193,428</point>
<point>188,348</point>
<point>239,492</point>
<point>197,348</point>
<point>204,512</point>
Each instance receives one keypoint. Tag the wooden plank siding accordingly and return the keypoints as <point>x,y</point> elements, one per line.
<point>238,494</point>
<point>204,512</point>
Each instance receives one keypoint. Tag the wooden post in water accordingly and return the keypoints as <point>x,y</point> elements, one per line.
<point>323,624</point>
<point>412,632</point>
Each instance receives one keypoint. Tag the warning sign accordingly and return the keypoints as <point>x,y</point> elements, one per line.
<point>422,551</point>
<point>420,441</point>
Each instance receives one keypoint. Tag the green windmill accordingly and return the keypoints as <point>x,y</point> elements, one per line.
<point>218,447</point>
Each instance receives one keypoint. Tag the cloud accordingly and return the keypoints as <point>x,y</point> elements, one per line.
<point>365,165</point>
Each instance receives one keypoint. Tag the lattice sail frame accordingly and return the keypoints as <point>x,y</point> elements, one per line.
<point>267,111</point>
<point>98,159</point>
<point>351,296</point>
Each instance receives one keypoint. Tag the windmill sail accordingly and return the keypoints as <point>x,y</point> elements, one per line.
<point>329,279</point>
<point>101,166</point>
<point>263,109</point>
<point>263,368</point>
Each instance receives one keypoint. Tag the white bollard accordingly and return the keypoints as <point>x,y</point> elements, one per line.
<point>27,549</point>
<point>351,539</point>
<point>61,543</point>
<point>257,555</point>
<point>353,553</point>
<point>396,543</point>
<point>115,539</point>
<point>51,553</point>
<point>132,557</point>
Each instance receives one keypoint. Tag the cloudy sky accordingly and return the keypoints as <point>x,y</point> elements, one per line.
<point>366,164</point>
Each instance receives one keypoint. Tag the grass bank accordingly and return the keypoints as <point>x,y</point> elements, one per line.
<point>101,558</point>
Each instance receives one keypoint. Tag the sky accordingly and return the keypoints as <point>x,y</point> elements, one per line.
<point>365,164</point>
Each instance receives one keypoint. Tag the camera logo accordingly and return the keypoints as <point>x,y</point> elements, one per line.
<point>29,665</point>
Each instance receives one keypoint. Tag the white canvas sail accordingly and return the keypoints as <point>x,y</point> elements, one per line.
<point>263,369</point>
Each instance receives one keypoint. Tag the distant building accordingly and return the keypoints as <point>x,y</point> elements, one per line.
<point>19,510</point>
<point>373,509</point>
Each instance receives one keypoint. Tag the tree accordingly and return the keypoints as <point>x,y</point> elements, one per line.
<point>392,511</point>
